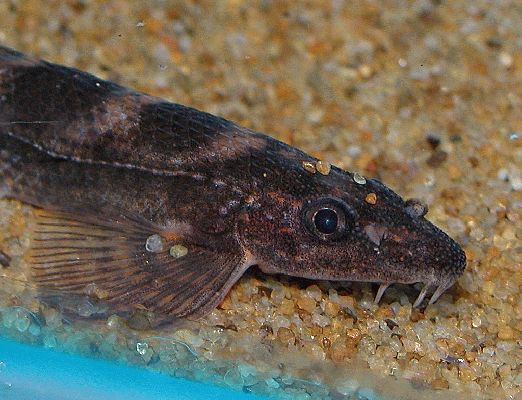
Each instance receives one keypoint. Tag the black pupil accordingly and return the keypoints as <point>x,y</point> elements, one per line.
<point>325,221</point>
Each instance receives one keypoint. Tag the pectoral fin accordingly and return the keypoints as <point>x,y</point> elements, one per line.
<point>128,263</point>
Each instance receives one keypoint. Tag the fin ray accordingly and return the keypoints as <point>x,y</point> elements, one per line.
<point>78,252</point>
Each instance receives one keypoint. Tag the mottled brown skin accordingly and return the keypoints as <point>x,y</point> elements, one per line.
<point>73,143</point>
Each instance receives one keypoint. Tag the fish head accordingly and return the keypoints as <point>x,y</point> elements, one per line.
<point>344,227</point>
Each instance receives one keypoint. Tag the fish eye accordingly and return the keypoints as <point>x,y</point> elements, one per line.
<point>328,219</point>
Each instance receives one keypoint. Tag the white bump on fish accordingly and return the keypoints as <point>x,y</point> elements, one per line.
<point>155,244</point>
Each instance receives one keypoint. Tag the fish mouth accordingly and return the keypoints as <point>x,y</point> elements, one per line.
<point>441,260</point>
<point>449,271</point>
<point>437,286</point>
<point>440,288</point>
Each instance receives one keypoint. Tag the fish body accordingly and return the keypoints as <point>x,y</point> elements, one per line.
<point>148,203</point>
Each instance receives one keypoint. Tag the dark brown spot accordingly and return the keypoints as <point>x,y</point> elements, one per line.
<point>5,260</point>
<point>391,323</point>
<point>474,162</point>
<point>264,291</point>
<point>494,42</point>
<point>437,158</point>
<point>433,141</point>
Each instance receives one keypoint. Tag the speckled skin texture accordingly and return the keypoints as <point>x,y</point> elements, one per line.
<point>72,142</point>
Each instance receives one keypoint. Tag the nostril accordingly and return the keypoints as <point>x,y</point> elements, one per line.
<point>415,208</point>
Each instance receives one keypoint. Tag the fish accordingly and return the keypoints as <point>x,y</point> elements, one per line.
<point>145,204</point>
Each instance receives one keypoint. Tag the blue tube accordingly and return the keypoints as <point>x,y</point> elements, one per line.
<point>33,373</point>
